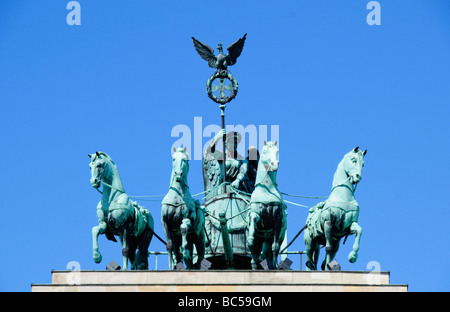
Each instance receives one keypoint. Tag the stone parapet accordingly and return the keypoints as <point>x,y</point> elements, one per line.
<point>218,281</point>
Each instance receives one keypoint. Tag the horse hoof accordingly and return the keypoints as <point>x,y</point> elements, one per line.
<point>310,266</point>
<point>141,266</point>
<point>352,257</point>
<point>97,257</point>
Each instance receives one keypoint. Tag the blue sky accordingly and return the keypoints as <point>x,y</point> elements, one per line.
<point>128,74</point>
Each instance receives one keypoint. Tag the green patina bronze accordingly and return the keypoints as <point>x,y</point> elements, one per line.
<point>337,216</point>
<point>243,218</point>
<point>267,220</point>
<point>236,166</point>
<point>232,168</point>
<point>118,215</point>
<point>227,203</point>
<point>182,219</point>
<point>221,63</point>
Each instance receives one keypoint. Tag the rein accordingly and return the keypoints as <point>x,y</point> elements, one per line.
<point>236,191</point>
<point>109,185</point>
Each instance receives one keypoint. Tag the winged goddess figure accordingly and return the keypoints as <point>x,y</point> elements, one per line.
<point>220,61</point>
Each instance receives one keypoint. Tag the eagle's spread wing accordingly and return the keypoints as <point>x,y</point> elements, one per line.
<point>235,50</point>
<point>206,52</point>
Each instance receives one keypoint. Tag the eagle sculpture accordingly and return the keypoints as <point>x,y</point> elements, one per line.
<point>220,61</point>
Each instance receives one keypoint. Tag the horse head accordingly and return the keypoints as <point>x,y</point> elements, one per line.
<point>99,167</point>
<point>269,156</point>
<point>180,164</point>
<point>352,163</point>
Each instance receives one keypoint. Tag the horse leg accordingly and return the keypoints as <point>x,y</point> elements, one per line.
<point>185,228</point>
<point>143,245</point>
<point>266,250</point>
<point>256,252</point>
<point>277,240</point>
<point>143,242</point>
<point>132,250</point>
<point>142,260</point>
<point>176,250</point>
<point>355,229</point>
<point>143,248</point>
<point>278,234</point>
<point>169,248</point>
<point>329,244</point>
<point>96,231</point>
<point>125,240</point>
<point>200,247</point>
<point>312,251</point>
<point>190,262</point>
<point>334,250</point>
<point>169,243</point>
<point>254,219</point>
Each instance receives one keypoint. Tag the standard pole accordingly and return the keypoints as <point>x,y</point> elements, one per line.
<point>222,114</point>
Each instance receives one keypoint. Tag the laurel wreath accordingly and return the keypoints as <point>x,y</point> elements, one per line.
<point>222,74</point>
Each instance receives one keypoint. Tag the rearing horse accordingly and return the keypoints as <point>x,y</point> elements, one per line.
<point>118,215</point>
<point>267,209</point>
<point>181,216</point>
<point>337,216</point>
